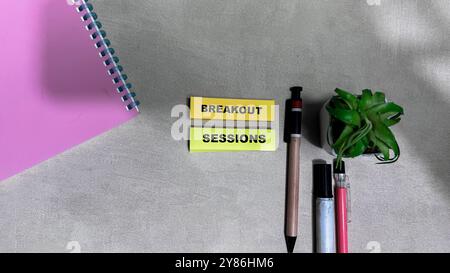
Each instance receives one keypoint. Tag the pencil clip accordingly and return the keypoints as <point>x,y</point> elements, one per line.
<point>349,201</point>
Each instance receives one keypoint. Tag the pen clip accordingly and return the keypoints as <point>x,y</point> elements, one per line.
<point>349,200</point>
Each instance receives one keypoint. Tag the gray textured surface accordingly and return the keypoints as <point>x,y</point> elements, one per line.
<point>136,189</point>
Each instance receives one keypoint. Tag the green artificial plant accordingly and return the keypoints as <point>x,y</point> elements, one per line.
<point>365,122</point>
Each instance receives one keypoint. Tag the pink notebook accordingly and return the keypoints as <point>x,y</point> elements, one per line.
<point>60,83</point>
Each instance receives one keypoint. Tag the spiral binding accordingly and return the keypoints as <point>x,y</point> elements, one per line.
<point>110,61</point>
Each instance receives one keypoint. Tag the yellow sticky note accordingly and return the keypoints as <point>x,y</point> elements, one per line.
<point>231,139</point>
<point>232,109</point>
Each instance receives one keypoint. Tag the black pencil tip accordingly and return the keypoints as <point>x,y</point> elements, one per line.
<point>290,243</point>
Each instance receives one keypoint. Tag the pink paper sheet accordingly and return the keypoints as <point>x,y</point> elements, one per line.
<point>55,90</point>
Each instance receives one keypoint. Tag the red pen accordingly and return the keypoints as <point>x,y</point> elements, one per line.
<point>342,195</point>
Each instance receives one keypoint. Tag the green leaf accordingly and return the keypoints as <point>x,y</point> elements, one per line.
<point>349,117</point>
<point>337,102</point>
<point>390,115</point>
<point>380,145</point>
<point>379,98</point>
<point>390,122</point>
<point>358,148</point>
<point>346,132</point>
<point>350,99</point>
<point>366,99</point>
<point>383,133</point>
<point>385,108</point>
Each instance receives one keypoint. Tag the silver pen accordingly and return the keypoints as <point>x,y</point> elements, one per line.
<point>325,222</point>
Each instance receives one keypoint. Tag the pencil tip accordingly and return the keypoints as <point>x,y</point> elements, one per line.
<point>290,243</point>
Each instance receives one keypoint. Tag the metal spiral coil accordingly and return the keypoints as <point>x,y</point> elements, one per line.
<point>110,61</point>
